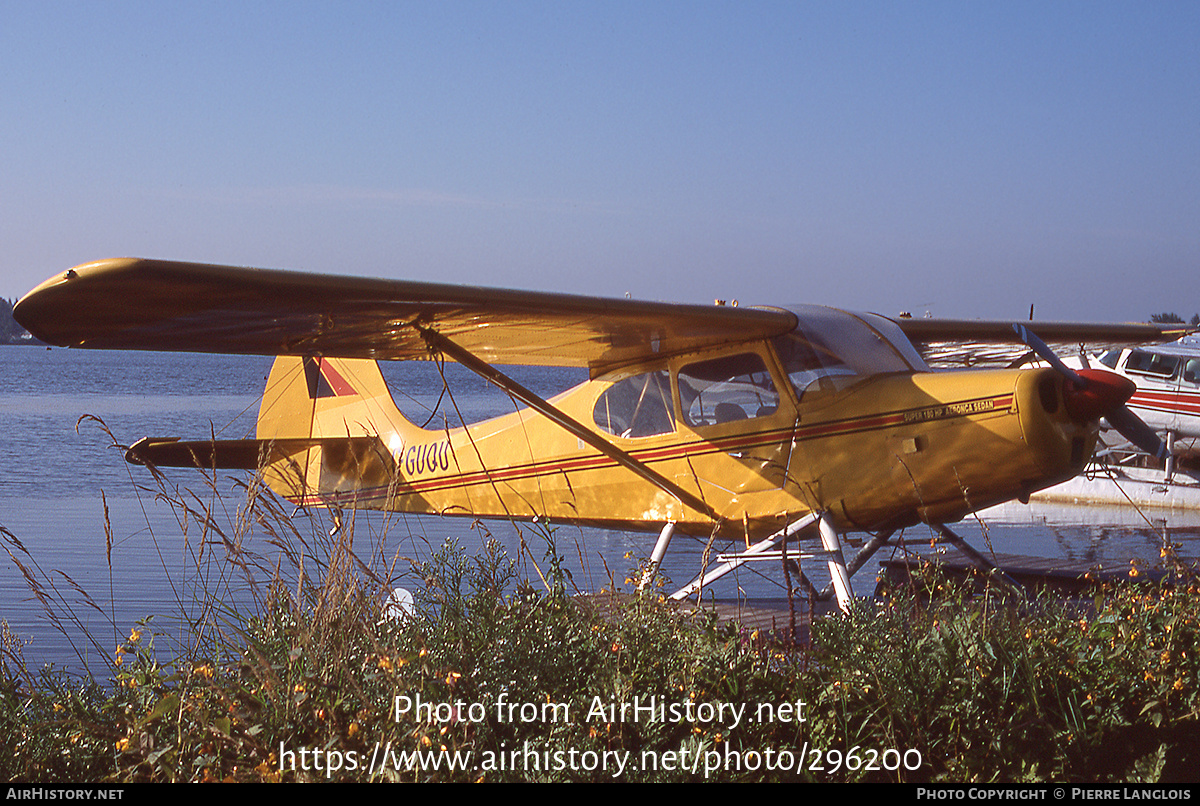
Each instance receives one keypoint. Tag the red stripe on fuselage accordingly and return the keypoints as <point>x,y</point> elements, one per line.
<point>689,449</point>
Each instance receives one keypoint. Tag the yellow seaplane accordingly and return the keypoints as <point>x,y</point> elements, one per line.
<point>760,425</point>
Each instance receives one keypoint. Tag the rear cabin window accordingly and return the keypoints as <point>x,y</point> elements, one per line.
<point>723,390</point>
<point>639,406</point>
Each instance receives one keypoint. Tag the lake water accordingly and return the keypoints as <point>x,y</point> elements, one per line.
<point>62,481</point>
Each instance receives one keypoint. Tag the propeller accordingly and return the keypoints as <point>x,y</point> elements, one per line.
<point>1091,394</point>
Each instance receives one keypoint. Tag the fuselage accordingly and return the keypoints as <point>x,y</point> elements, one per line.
<point>840,416</point>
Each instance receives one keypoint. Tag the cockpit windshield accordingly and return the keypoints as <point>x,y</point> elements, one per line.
<point>830,349</point>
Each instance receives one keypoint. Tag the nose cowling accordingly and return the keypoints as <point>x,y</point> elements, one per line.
<point>1104,403</point>
<point>1101,394</point>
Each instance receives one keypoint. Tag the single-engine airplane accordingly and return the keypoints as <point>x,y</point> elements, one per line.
<point>737,422</point>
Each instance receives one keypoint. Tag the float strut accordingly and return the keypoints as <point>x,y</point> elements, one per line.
<point>660,550</point>
<point>865,553</point>
<point>728,565</point>
<point>832,543</point>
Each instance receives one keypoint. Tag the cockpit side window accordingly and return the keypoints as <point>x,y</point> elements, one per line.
<point>722,390</point>
<point>638,406</point>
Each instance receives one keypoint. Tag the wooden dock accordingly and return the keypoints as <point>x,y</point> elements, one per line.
<point>1036,574</point>
<point>770,618</point>
<point>775,618</point>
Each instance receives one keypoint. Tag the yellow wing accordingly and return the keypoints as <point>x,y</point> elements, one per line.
<point>131,303</point>
<point>156,305</point>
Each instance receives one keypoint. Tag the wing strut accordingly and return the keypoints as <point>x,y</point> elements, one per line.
<point>494,376</point>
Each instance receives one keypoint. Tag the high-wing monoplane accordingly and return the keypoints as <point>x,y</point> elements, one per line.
<point>750,423</point>
<point>1167,398</point>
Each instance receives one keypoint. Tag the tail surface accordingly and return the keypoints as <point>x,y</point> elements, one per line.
<point>337,428</point>
<point>327,432</point>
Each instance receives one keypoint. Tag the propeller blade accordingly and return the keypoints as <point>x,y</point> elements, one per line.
<point>1134,429</point>
<point>1030,339</point>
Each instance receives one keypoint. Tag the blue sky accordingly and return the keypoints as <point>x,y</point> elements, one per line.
<point>966,159</point>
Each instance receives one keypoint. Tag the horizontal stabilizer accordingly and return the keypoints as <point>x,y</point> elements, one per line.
<point>254,454</point>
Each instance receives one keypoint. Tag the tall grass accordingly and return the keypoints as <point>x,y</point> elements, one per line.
<point>493,677</point>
